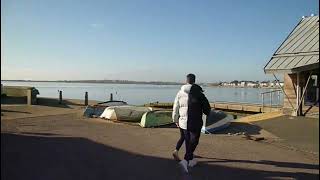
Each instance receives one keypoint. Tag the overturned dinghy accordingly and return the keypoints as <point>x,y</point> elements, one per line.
<point>156,118</point>
<point>217,120</point>
<point>125,113</point>
<point>97,109</point>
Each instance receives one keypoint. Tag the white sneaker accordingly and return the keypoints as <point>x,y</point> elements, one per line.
<point>184,165</point>
<point>192,163</point>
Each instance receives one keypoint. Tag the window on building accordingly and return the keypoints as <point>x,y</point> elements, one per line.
<point>312,91</point>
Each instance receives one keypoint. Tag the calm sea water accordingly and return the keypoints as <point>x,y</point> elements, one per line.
<point>138,94</point>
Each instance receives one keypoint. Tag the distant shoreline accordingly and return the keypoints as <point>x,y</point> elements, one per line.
<point>246,87</point>
<point>138,82</point>
<point>104,82</point>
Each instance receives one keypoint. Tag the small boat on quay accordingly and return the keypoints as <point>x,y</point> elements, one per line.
<point>216,121</point>
<point>125,113</point>
<point>97,109</point>
<point>156,118</point>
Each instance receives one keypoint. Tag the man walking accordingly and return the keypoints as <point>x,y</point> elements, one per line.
<point>189,106</point>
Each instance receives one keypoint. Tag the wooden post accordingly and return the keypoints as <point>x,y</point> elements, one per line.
<point>270,101</point>
<point>29,97</point>
<point>86,99</point>
<point>279,98</point>
<point>262,97</point>
<point>111,97</point>
<point>297,112</point>
<point>60,97</point>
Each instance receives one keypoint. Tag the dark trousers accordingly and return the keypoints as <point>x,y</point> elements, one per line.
<point>191,139</point>
<point>181,140</point>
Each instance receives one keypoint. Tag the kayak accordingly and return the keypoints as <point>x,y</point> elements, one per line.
<point>125,113</point>
<point>156,118</point>
<point>216,121</point>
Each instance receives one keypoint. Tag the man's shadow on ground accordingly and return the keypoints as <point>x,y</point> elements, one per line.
<point>48,156</point>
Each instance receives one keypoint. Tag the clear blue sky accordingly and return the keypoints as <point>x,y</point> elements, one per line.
<point>144,39</point>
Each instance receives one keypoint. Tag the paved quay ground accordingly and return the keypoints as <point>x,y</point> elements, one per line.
<point>66,146</point>
<point>298,132</point>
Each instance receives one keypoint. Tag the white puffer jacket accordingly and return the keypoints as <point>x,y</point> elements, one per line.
<point>180,107</point>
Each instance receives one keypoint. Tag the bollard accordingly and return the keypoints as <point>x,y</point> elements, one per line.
<point>86,99</point>
<point>29,97</point>
<point>111,97</point>
<point>270,101</point>
<point>60,97</point>
<point>262,97</point>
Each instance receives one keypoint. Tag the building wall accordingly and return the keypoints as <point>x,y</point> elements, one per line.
<point>308,110</point>
<point>290,91</point>
<point>290,81</point>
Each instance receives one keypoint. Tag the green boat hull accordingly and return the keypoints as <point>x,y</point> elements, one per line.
<point>156,118</point>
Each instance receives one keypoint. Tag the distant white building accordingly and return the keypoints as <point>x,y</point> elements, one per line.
<point>252,84</point>
<point>264,84</point>
<point>281,84</point>
<point>225,84</point>
<point>242,84</point>
<point>272,84</point>
<point>233,84</point>
<point>275,84</point>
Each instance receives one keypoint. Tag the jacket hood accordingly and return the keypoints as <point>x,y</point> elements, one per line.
<point>195,88</point>
<point>186,88</point>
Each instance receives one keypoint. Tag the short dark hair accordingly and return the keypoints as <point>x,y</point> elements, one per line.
<point>191,78</point>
